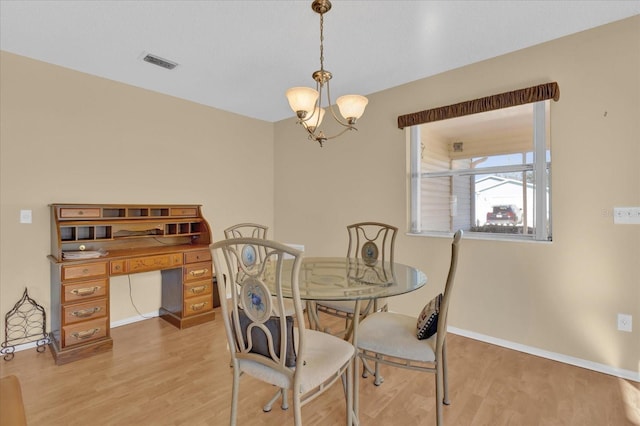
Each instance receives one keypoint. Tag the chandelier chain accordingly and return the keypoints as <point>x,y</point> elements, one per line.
<point>322,42</point>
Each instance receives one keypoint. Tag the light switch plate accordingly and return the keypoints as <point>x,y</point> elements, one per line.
<point>624,322</point>
<point>25,216</point>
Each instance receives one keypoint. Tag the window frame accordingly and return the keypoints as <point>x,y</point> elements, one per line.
<point>539,167</point>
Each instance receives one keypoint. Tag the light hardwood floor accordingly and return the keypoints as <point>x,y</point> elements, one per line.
<point>159,375</point>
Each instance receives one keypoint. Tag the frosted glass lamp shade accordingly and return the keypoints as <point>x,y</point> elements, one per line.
<point>313,122</point>
<point>352,106</point>
<point>302,99</point>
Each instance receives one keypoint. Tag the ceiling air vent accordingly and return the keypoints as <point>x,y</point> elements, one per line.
<point>156,60</point>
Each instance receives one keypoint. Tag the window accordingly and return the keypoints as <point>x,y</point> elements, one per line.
<point>487,173</point>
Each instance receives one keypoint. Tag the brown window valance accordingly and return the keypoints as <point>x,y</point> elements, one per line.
<point>541,92</point>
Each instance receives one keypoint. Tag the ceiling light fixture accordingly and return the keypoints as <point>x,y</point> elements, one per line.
<point>307,102</point>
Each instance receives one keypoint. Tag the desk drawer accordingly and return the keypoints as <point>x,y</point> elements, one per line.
<point>79,212</point>
<point>197,305</point>
<point>86,270</point>
<point>85,290</point>
<point>84,311</point>
<point>118,267</point>
<point>200,288</point>
<point>153,263</point>
<point>197,272</point>
<point>184,211</point>
<point>84,332</point>
<point>197,256</point>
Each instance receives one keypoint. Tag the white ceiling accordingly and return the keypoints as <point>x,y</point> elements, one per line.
<point>241,56</point>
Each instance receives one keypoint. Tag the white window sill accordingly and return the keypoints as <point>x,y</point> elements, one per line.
<point>479,236</point>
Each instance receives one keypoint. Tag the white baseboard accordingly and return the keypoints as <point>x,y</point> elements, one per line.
<point>137,318</point>
<point>578,362</point>
<point>114,324</point>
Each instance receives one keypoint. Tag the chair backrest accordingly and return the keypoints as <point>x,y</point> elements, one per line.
<point>253,326</point>
<point>372,241</point>
<point>248,230</point>
<point>446,297</point>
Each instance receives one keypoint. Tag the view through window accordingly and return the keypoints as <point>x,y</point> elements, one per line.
<point>487,173</point>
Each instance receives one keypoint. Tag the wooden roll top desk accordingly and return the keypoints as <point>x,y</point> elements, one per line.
<point>92,242</point>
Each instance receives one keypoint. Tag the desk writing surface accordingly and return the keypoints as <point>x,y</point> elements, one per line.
<point>340,278</point>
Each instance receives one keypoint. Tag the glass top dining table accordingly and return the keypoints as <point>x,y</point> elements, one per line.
<point>342,278</point>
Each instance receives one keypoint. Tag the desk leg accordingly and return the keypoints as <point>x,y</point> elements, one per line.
<point>356,381</point>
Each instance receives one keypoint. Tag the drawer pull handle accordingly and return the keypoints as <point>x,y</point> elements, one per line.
<point>82,335</point>
<point>88,291</point>
<point>199,289</point>
<point>85,313</point>
<point>198,272</point>
<point>198,306</point>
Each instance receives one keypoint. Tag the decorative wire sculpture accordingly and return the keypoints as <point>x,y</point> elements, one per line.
<point>24,323</point>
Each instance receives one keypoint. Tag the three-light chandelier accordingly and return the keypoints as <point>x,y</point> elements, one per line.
<point>307,102</point>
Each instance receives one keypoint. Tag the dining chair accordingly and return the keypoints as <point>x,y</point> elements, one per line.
<point>265,344</point>
<point>402,341</point>
<point>256,230</point>
<point>372,242</point>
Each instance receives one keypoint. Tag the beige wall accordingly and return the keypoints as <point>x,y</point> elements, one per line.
<point>73,138</point>
<point>562,296</point>
<point>70,137</point>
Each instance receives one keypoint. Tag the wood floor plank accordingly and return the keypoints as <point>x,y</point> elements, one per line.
<point>157,374</point>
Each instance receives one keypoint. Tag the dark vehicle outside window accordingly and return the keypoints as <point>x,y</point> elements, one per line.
<point>506,214</point>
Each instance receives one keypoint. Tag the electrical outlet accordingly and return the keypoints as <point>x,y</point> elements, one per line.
<point>624,322</point>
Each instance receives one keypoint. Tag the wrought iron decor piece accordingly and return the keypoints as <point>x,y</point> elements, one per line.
<point>24,323</point>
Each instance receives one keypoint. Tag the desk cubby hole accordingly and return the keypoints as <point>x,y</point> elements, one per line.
<point>113,212</point>
<point>137,212</point>
<point>68,233</point>
<point>103,232</point>
<point>159,212</point>
<point>183,228</point>
<point>85,233</point>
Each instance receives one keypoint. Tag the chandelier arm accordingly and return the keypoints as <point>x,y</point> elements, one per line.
<point>326,138</point>
<point>335,116</point>
<point>346,129</point>
<point>312,133</point>
<point>340,122</point>
<point>305,121</point>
